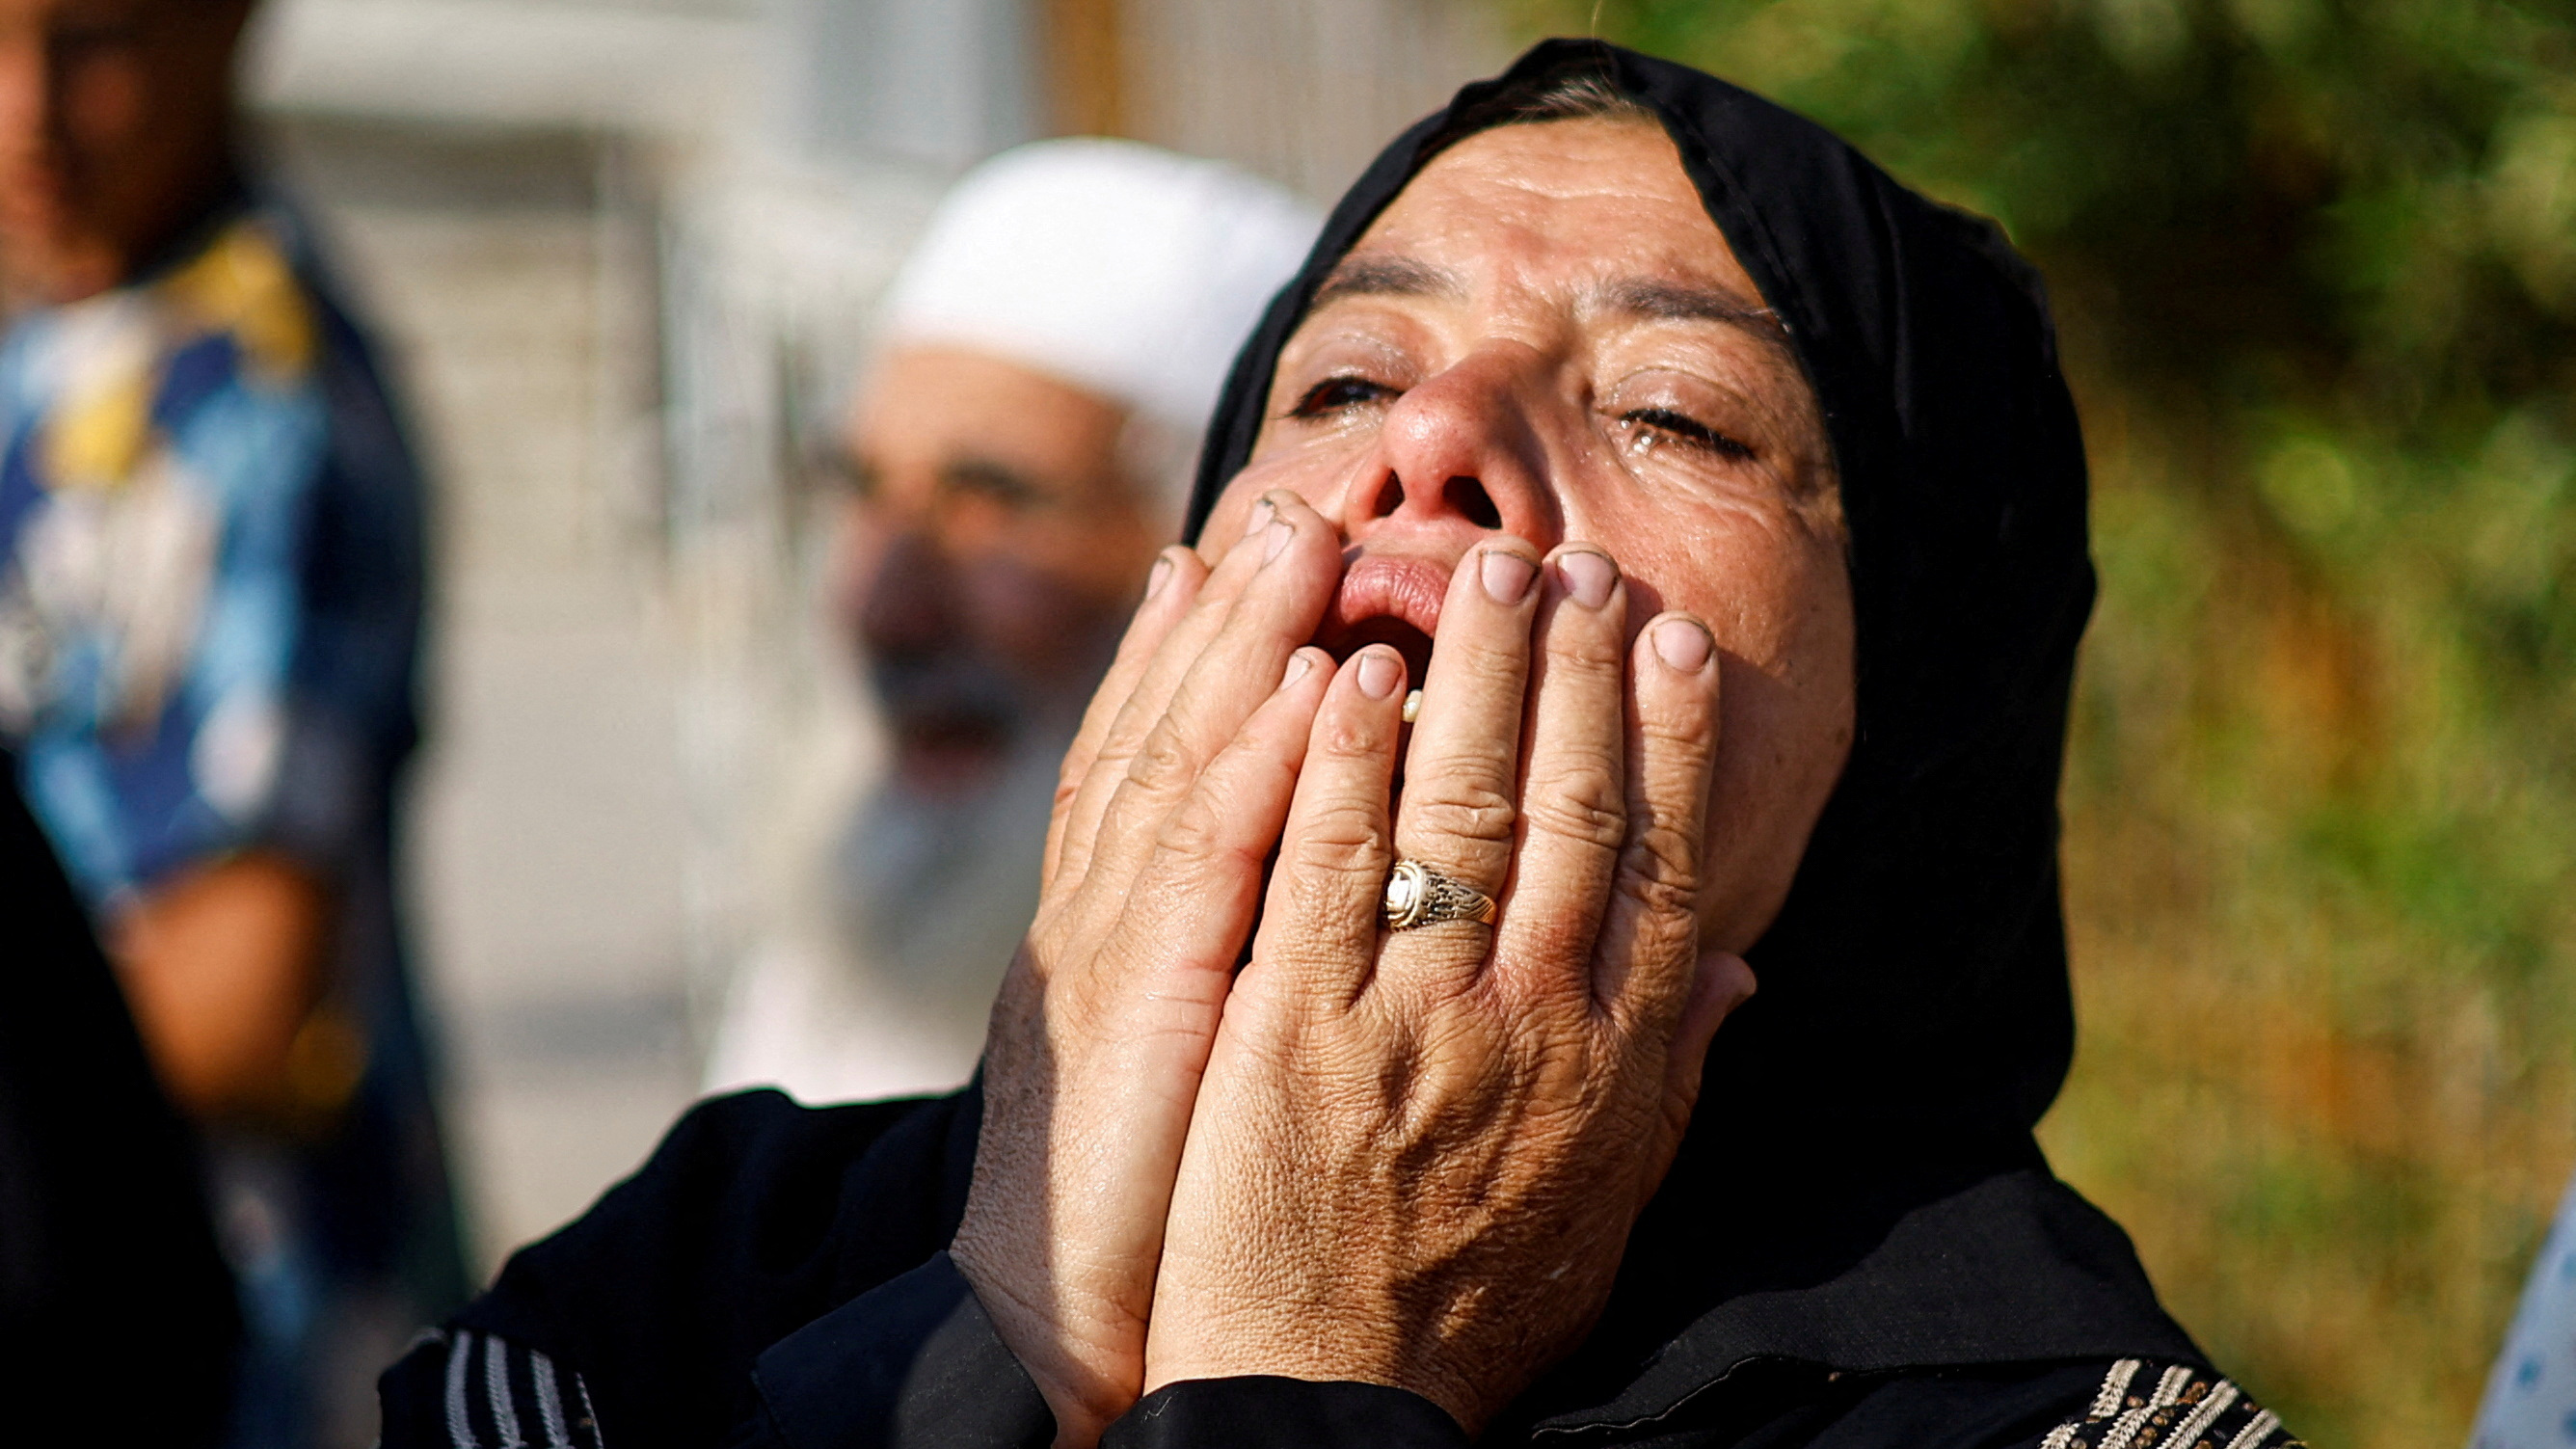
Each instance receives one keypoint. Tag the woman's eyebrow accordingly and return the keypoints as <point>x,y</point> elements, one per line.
<point>1675,301</point>
<point>1387,276</point>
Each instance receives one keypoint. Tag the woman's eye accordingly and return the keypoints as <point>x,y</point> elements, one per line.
<point>1339,394</point>
<point>1654,426</point>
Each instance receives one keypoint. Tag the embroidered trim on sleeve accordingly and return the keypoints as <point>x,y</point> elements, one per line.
<point>503,1395</point>
<point>2175,1407</point>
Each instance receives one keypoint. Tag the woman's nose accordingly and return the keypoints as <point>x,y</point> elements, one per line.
<point>1461,449</point>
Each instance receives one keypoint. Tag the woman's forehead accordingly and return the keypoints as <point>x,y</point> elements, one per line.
<point>1582,203</point>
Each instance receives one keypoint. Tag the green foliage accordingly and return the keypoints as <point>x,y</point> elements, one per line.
<point>2366,199</point>
<point>2316,266</point>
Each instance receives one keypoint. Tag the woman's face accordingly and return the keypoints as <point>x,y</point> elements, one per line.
<point>1546,336</point>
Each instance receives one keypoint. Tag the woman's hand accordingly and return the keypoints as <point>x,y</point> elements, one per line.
<point>1172,797</point>
<point>1416,1157</point>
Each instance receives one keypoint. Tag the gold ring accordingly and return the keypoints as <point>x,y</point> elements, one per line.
<point>1417,895</point>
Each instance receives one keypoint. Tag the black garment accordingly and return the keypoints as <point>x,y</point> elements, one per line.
<point>775,1279</point>
<point>1863,1248</point>
<point>111,1291</point>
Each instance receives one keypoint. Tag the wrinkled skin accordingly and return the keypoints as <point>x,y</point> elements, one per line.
<point>1538,447</point>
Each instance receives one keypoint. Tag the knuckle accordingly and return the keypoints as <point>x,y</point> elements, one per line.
<point>1493,659</point>
<point>1206,827</point>
<point>1684,734</point>
<point>1581,805</point>
<point>1161,759</point>
<point>1343,737</point>
<point>1566,818</point>
<point>1466,803</point>
<point>1191,830</point>
<point>1341,838</point>
<point>1587,651</point>
<point>1660,870</point>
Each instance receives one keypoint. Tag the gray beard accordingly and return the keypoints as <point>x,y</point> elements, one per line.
<point>937,890</point>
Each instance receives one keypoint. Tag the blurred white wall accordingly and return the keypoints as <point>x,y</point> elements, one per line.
<point>671,68</point>
<point>941,83</point>
<point>548,839</point>
<point>1303,91</point>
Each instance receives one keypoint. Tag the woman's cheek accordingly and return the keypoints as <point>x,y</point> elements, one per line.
<point>1305,472</point>
<point>1233,506</point>
<point>1224,522</point>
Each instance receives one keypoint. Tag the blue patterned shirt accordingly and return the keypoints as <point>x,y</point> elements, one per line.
<point>177,668</point>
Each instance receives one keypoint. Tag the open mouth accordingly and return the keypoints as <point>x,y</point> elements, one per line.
<point>1406,639</point>
<point>1387,600</point>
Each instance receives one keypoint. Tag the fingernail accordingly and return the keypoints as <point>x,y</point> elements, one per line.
<point>1589,577</point>
<point>1161,575</point>
<point>1683,645</point>
<point>1280,533</point>
<point>1507,575</point>
<point>1263,510</point>
<point>1381,670</point>
<point>1300,664</point>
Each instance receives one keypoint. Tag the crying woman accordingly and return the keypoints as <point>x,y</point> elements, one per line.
<point>1724,503</point>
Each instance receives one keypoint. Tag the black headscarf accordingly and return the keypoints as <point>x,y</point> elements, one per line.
<point>1860,1187</point>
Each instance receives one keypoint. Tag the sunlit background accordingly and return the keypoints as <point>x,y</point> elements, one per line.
<point>2316,261</point>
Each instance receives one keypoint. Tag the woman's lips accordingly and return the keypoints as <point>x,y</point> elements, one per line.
<point>1387,599</point>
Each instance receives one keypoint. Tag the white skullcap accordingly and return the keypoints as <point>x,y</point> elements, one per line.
<point>1129,271</point>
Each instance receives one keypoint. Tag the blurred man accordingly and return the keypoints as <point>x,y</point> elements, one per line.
<point>210,590</point>
<point>1053,349</point>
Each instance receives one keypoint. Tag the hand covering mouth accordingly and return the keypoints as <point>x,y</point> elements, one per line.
<point>1391,599</point>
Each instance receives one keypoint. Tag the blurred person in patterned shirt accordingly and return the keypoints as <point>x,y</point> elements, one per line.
<point>210,595</point>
